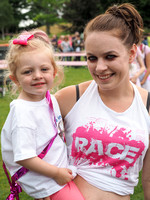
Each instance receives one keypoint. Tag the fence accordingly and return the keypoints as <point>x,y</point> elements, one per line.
<point>59,60</point>
<point>63,62</point>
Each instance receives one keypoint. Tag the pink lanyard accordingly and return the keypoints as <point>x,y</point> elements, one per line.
<point>15,188</point>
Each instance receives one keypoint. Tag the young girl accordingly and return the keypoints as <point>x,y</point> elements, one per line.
<point>31,125</point>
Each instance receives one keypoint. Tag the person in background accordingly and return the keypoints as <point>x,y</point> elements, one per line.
<point>77,46</point>
<point>31,128</point>
<point>107,122</point>
<point>137,68</point>
<point>145,41</point>
<point>70,42</point>
<point>60,40</point>
<point>145,77</point>
<point>75,35</point>
<point>54,42</point>
<point>66,47</point>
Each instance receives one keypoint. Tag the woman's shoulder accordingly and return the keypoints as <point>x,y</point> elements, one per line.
<point>70,91</point>
<point>66,97</point>
<point>84,86</point>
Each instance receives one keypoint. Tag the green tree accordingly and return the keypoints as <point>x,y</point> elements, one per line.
<point>18,6</point>
<point>144,9</point>
<point>79,12</point>
<point>6,16</point>
<point>46,12</point>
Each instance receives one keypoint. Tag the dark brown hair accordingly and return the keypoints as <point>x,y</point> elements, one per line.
<point>124,19</point>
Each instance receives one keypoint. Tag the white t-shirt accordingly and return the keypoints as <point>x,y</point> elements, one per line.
<point>107,147</point>
<point>26,132</point>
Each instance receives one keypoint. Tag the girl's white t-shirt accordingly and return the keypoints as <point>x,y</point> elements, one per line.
<point>26,132</point>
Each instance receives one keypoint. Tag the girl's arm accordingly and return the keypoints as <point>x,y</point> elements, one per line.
<point>146,175</point>
<point>60,175</point>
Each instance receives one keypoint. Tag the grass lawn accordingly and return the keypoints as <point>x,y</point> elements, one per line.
<point>72,76</point>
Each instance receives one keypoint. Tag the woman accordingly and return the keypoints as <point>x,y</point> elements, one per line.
<point>107,127</point>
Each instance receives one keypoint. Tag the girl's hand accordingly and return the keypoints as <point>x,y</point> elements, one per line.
<point>63,176</point>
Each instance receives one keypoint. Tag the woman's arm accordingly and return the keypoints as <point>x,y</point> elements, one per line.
<point>60,175</point>
<point>146,163</point>
<point>146,175</point>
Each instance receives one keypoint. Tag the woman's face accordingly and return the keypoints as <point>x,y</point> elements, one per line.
<point>108,59</point>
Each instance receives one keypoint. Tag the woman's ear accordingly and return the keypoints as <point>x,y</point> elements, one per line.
<point>13,78</point>
<point>133,51</point>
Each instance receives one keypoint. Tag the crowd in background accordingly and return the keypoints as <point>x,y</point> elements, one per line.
<point>68,43</point>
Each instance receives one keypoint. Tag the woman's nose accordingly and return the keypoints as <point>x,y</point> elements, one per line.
<point>101,65</point>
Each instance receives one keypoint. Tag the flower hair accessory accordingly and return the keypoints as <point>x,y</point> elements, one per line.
<point>22,40</point>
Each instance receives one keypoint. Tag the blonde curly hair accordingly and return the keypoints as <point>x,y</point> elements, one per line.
<point>40,39</point>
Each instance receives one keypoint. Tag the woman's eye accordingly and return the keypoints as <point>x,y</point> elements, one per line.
<point>110,57</point>
<point>92,58</point>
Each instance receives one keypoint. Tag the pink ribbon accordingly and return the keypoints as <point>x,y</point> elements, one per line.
<point>15,189</point>
<point>22,40</point>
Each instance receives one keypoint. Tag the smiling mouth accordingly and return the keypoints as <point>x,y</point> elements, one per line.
<point>38,84</point>
<point>104,77</point>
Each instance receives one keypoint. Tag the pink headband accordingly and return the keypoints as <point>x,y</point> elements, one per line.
<point>23,39</point>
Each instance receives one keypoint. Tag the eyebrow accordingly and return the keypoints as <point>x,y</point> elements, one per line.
<point>106,53</point>
<point>88,54</point>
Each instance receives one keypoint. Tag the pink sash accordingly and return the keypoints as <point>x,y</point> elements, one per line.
<point>15,188</point>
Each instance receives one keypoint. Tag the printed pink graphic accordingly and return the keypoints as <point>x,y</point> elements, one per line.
<point>105,147</point>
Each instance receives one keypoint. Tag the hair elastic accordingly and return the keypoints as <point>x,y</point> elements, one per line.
<point>22,40</point>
